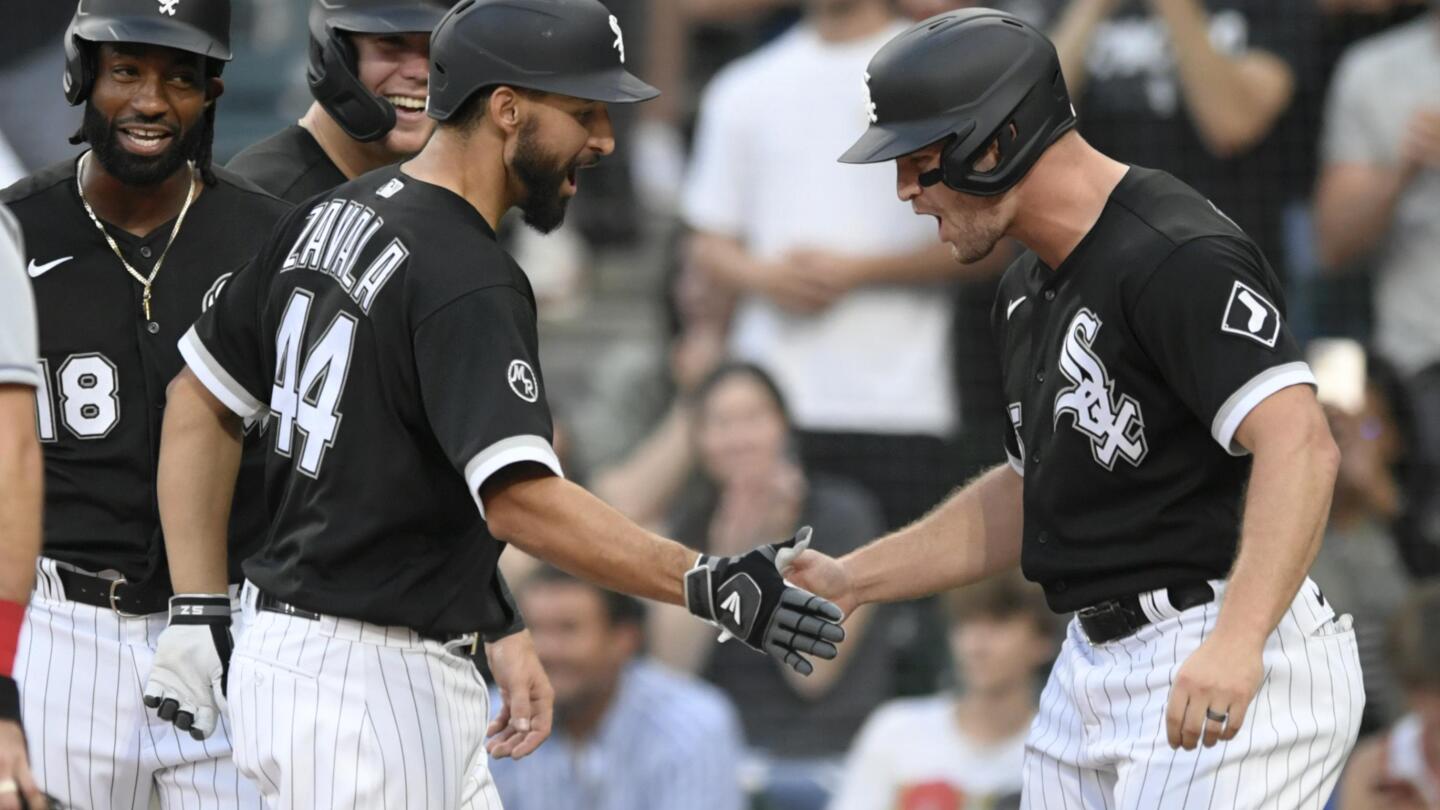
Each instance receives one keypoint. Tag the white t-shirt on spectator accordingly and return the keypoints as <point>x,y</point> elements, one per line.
<point>765,172</point>
<point>1378,86</point>
<point>911,756</point>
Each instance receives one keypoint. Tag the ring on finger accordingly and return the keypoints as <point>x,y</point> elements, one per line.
<point>8,786</point>
<point>1217,717</point>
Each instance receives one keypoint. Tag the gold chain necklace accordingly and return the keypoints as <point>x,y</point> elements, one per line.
<point>154,271</point>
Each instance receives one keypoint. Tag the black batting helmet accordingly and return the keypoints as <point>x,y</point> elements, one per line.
<point>965,77</point>
<point>197,26</point>
<point>568,47</point>
<point>333,72</point>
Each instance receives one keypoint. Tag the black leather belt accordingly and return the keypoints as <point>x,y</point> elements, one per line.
<point>270,604</point>
<point>1117,618</point>
<point>119,595</point>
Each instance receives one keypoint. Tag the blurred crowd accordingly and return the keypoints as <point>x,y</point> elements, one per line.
<point>729,367</point>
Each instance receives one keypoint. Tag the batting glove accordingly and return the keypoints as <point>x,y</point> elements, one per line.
<point>746,597</point>
<point>192,663</point>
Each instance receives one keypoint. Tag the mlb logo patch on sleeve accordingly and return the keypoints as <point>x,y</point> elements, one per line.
<point>1249,314</point>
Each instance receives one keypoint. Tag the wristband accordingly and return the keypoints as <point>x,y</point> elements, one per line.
<point>12,615</point>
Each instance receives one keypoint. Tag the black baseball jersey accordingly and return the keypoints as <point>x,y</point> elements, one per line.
<point>394,344</point>
<point>1127,371</point>
<point>289,164</point>
<point>105,367</point>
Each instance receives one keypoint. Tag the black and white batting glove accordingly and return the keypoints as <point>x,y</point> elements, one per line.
<point>192,662</point>
<point>746,597</point>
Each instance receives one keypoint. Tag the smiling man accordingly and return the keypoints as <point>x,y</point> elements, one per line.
<point>369,73</point>
<point>126,246</point>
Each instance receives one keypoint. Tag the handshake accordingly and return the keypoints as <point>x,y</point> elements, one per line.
<point>747,597</point>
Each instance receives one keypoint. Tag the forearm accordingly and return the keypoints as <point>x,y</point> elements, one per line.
<point>973,534</point>
<point>22,476</point>
<point>1073,35</point>
<point>644,484</point>
<point>552,519</point>
<point>1285,508</point>
<point>1232,100</point>
<point>725,259</point>
<point>1354,206</point>
<point>200,445</point>
<point>935,263</point>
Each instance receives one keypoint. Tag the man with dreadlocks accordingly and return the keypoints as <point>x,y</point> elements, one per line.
<point>126,247</point>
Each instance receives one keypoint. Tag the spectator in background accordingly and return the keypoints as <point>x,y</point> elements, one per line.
<point>1359,563</point>
<point>756,487</point>
<point>1376,204</point>
<point>1400,770</point>
<point>629,734</point>
<point>1200,89</point>
<point>806,243</point>
<point>964,748</point>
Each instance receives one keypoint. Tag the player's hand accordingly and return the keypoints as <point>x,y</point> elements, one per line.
<point>192,664</point>
<point>824,576</point>
<point>747,598</point>
<point>16,780</point>
<point>527,701</point>
<point>1221,676</point>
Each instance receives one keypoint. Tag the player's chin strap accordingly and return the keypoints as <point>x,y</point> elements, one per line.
<point>190,674</point>
<point>747,598</point>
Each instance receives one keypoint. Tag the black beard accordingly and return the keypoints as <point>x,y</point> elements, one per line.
<point>129,168</point>
<point>543,206</point>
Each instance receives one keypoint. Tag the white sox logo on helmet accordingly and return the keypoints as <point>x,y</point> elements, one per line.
<point>169,6</point>
<point>1114,426</point>
<point>619,43</point>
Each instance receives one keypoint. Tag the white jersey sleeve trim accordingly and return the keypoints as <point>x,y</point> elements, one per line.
<point>26,374</point>
<point>1015,463</point>
<point>1251,394</point>
<point>216,378</point>
<point>502,454</point>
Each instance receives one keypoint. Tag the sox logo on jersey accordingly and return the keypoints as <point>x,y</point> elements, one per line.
<point>1115,426</point>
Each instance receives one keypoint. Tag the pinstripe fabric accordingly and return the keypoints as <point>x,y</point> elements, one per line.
<point>1099,741</point>
<point>336,713</point>
<point>94,745</point>
<point>667,742</point>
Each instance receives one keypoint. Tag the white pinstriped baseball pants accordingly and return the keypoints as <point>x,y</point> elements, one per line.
<point>1099,741</point>
<point>334,713</point>
<point>93,744</point>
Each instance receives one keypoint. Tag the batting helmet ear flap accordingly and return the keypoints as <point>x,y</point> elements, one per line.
<point>79,68</point>
<point>333,75</point>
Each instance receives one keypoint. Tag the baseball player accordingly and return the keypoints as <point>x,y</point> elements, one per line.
<point>126,247</point>
<point>21,478</point>
<point>394,345</point>
<point>1154,393</point>
<point>368,70</point>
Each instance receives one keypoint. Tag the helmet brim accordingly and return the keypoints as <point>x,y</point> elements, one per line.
<point>397,19</point>
<point>884,142</point>
<point>146,31</point>
<point>614,86</point>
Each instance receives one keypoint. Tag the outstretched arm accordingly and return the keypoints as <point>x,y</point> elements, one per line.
<point>550,518</point>
<point>973,534</point>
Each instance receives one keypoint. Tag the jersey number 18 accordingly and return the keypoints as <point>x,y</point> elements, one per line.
<point>306,395</point>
